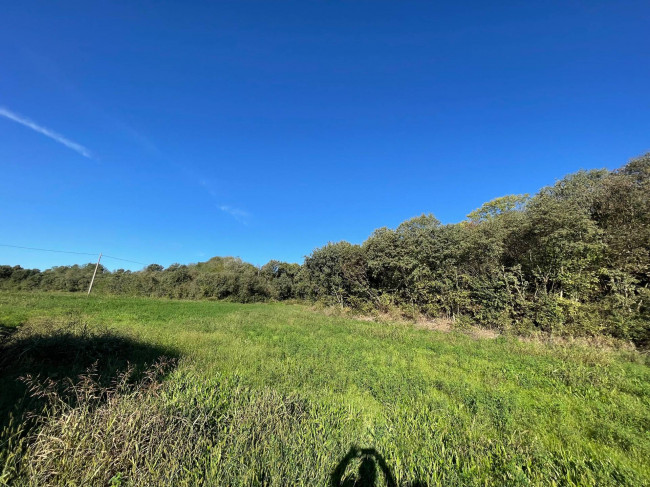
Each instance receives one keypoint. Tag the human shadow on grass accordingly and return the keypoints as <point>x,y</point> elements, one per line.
<point>59,354</point>
<point>371,463</point>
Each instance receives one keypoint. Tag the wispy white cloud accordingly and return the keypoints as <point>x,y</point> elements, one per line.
<point>239,215</point>
<point>45,131</point>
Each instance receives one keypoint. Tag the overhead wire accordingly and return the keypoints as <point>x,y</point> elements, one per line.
<point>124,260</point>
<point>46,250</point>
<point>70,252</point>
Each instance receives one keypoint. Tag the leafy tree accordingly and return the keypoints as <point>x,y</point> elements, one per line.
<point>338,271</point>
<point>572,259</point>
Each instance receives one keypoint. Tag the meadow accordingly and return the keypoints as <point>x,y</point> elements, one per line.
<point>282,394</point>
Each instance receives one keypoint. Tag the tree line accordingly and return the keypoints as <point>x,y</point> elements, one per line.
<point>572,259</point>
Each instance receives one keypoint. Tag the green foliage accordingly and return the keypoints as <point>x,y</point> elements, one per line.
<point>337,273</point>
<point>574,259</point>
<point>499,206</point>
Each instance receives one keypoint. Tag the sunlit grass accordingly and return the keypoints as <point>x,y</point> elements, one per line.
<point>279,394</point>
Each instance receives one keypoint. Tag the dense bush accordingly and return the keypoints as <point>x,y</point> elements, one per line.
<point>573,259</point>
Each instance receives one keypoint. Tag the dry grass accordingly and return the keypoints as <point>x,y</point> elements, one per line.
<point>444,325</point>
<point>448,325</point>
<point>598,342</point>
<point>95,434</point>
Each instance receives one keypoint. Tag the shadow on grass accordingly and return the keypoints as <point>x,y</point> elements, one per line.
<point>61,354</point>
<point>370,464</point>
<point>6,332</point>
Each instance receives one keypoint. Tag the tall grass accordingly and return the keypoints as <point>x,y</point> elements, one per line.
<point>280,395</point>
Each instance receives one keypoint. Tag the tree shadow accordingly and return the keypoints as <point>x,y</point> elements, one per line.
<point>60,354</point>
<point>6,332</point>
<point>371,463</point>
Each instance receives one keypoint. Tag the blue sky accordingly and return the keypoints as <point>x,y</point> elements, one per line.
<point>175,131</point>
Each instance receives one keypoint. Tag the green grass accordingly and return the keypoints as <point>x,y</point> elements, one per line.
<point>276,394</point>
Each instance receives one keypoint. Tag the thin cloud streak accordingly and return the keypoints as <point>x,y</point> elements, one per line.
<point>45,131</point>
<point>239,215</point>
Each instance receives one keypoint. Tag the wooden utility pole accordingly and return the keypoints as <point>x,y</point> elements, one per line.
<point>90,288</point>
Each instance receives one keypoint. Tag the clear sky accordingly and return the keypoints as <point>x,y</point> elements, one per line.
<point>175,131</point>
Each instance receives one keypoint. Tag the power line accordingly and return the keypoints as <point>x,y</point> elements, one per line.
<point>47,250</point>
<point>70,252</point>
<point>124,260</point>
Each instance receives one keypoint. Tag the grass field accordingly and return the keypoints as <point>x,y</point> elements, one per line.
<point>277,394</point>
